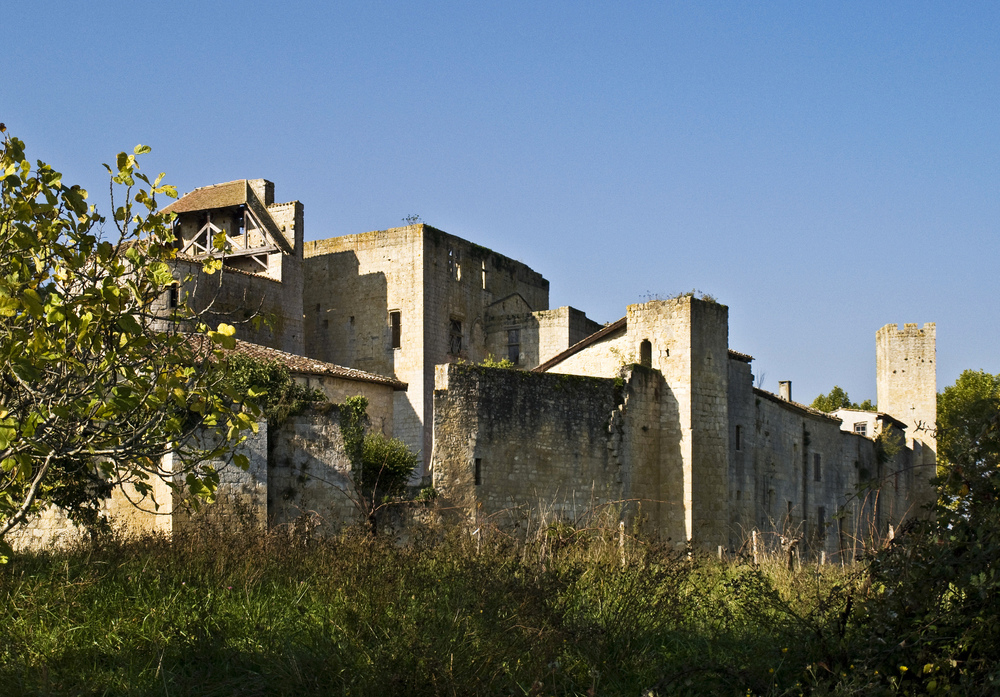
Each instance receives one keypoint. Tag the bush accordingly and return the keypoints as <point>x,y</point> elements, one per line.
<point>386,465</point>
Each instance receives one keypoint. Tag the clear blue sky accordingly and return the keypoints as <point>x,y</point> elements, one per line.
<point>822,168</point>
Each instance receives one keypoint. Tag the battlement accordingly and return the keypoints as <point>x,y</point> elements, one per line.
<point>910,329</point>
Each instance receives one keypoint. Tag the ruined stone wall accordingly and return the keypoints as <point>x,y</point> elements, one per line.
<point>309,473</point>
<point>547,443</point>
<point>240,500</point>
<point>511,444</point>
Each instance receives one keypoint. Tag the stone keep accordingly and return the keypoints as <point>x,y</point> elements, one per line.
<point>906,383</point>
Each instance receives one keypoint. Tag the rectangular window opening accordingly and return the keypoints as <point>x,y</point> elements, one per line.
<point>738,438</point>
<point>514,346</point>
<point>861,428</point>
<point>396,328</point>
<point>455,338</point>
<point>817,467</point>
<point>173,296</point>
<point>479,471</point>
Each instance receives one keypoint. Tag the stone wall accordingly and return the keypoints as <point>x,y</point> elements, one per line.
<point>352,283</point>
<point>381,398</point>
<point>235,297</point>
<point>309,473</point>
<point>510,445</point>
<point>508,442</point>
<point>440,285</point>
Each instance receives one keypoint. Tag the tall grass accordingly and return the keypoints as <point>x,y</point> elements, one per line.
<point>569,611</point>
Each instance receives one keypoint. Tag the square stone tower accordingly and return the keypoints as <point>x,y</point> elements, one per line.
<point>906,384</point>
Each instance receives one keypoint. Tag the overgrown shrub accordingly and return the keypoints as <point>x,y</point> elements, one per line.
<point>386,464</point>
<point>281,396</point>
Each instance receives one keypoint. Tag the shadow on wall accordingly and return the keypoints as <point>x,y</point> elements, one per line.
<point>347,314</point>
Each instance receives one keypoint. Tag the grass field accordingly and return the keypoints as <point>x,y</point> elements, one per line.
<point>567,613</point>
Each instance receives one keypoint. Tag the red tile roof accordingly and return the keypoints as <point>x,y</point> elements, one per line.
<point>310,366</point>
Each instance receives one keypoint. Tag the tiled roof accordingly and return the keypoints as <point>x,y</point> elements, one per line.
<point>209,198</point>
<point>237,193</point>
<point>580,345</point>
<point>736,355</point>
<point>295,363</point>
<point>311,366</point>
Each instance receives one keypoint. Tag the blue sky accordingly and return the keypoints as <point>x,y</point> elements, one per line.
<point>821,168</point>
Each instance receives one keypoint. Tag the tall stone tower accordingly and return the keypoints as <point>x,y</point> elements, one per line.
<point>906,384</point>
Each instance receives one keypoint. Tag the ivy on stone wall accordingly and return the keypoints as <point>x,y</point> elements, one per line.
<point>280,396</point>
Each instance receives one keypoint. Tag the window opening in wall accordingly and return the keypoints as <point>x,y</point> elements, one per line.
<point>739,495</point>
<point>739,439</point>
<point>173,296</point>
<point>861,428</point>
<point>646,353</point>
<point>789,517</point>
<point>455,264</point>
<point>821,520</point>
<point>478,474</point>
<point>484,275</point>
<point>514,346</point>
<point>396,328</point>
<point>817,467</point>
<point>455,337</point>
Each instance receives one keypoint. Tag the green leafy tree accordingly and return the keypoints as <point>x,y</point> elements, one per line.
<point>836,399</point>
<point>97,384</point>
<point>967,440</point>
<point>931,603</point>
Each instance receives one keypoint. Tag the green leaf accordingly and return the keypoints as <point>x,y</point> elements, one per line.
<point>32,302</point>
<point>24,370</point>
<point>142,149</point>
<point>128,323</point>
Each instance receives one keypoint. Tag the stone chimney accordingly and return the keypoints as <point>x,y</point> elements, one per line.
<point>785,390</point>
<point>264,190</point>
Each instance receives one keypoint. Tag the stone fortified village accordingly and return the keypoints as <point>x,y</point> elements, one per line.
<point>653,414</point>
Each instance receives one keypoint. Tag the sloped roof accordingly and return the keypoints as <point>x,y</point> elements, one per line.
<point>228,195</point>
<point>794,406</point>
<point>208,198</point>
<point>310,366</point>
<point>295,363</point>
<point>580,345</point>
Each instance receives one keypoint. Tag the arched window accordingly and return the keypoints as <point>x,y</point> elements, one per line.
<point>646,353</point>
